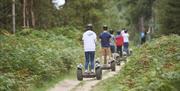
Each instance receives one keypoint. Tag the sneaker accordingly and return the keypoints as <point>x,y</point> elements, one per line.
<point>86,71</point>
<point>92,71</point>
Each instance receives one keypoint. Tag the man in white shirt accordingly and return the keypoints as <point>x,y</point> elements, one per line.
<point>89,40</point>
<point>122,32</point>
<point>126,41</point>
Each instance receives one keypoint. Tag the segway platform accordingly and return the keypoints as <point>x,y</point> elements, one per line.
<point>119,60</point>
<point>97,74</point>
<point>89,75</point>
<point>111,65</point>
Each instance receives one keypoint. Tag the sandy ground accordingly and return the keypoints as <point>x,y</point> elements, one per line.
<point>86,85</point>
<point>65,85</point>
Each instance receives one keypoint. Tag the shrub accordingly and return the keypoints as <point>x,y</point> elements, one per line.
<point>32,57</point>
<point>153,67</point>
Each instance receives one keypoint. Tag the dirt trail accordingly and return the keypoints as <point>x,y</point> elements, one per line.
<point>86,85</point>
<point>90,83</point>
<point>65,85</point>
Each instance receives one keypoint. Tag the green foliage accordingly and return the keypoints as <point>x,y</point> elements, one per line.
<point>69,32</point>
<point>5,11</point>
<point>160,15</point>
<point>45,14</point>
<point>81,12</point>
<point>114,18</point>
<point>135,9</point>
<point>32,57</point>
<point>154,67</point>
<point>168,16</point>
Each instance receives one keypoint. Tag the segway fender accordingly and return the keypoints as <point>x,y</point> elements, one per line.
<point>80,66</point>
<point>112,61</point>
<point>97,61</point>
<point>97,65</point>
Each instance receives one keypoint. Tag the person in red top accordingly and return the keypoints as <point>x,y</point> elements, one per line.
<point>119,43</point>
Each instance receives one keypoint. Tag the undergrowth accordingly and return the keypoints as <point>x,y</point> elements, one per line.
<point>153,67</point>
<point>32,57</point>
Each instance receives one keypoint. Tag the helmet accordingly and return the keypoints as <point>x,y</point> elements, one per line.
<point>89,26</point>
<point>105,27</point>
<point>111,31</point>
<point>118,32</point>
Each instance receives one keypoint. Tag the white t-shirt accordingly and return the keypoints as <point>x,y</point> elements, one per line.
<point>122,32</point>
<point>89,40</point>
<point>126,37</point>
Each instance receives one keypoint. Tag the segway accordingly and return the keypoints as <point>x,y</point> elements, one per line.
<point>112,66</point>
<point>116,56</point>
<point>130,52</point>
<point>119,60</point>
<point>125,55</point>
<point>97,74</point>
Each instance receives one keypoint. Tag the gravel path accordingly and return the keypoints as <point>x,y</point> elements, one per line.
<point>86,85</point>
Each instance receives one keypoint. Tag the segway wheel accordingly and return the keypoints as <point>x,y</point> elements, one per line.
<point>118,63</point>
<point>79,75</point>
<point>113,66</point>
<point>98,73</point>
<point>125,60</point>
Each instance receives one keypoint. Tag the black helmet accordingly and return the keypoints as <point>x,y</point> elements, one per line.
<point>126,31</point>
<point>105,27</point>
<point>118,32</point>
<point>111,31</point>
<point>89,26</point>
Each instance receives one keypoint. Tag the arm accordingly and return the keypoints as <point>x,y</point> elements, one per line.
<point>95,38</point>
<point>122,41</point>
<point>100,36</point>
<point>82,40</point>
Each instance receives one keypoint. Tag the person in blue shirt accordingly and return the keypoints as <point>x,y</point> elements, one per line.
<point>143,37</point>
<point>112,41</point>
<point>105,43</point>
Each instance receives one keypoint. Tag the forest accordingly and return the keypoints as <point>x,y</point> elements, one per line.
<point>136,15</point>
<point>40,42</point>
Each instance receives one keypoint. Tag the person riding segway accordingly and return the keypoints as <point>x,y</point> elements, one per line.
<point>119,43</point>
<point>89,41</point>
<point>105,49</point>
<point>112,43</point>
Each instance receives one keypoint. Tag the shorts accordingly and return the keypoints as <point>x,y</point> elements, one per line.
<point>112,47</point>
<point>105,51</point>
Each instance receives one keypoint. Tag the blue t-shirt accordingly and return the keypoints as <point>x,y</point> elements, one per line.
<point>112,40</point>
<point>142,34</point>
<point>105,39</point>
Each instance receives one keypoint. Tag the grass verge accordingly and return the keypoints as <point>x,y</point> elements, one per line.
<point>52,83</point>
<point>153,67</point>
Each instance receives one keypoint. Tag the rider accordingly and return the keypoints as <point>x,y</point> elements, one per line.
<point>126,41</point>
<point>112,42</point>
<point>119,43</point>
<point>89,40</point>
<point>143,37</point>
<point>105,43</point>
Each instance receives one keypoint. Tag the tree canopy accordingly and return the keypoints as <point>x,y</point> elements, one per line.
<point>136,15</point>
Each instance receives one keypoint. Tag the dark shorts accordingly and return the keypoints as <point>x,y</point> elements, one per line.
<point>112,49</point>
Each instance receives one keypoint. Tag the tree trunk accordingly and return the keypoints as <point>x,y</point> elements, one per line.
<point>24,13</point>
<point>141,25</point>
<point>27,14</point>
<point>13,16</point>
<point>32,15</point>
